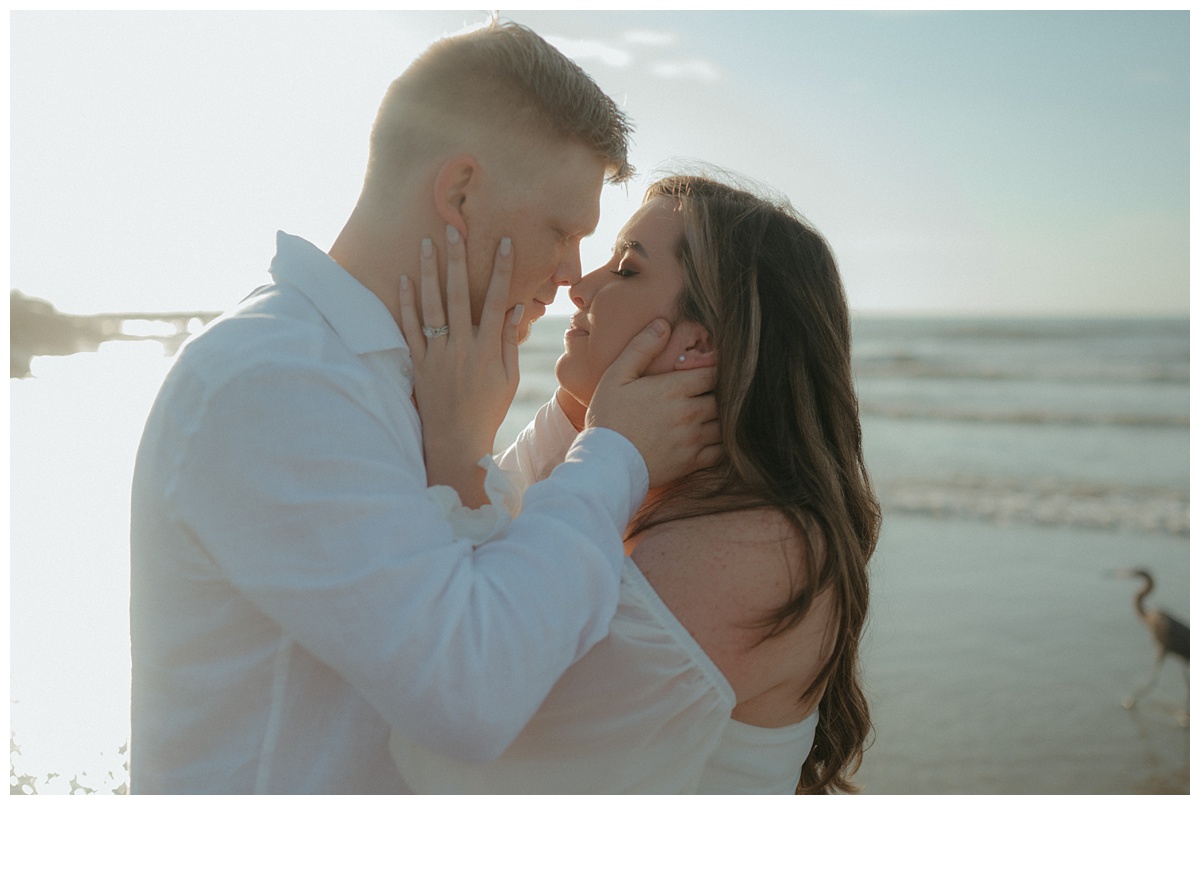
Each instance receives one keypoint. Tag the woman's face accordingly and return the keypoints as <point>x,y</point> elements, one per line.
<point>641,281</point>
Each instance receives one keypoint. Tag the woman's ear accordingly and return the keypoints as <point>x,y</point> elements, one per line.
<point>695,346</point>
<point>455,181</point>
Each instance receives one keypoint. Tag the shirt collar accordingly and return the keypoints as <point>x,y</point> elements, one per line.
<point>355,313</point>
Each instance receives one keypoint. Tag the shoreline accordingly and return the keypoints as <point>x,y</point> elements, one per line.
<point>996,657</point>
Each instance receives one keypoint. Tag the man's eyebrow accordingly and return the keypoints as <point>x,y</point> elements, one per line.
<point>625,245</point>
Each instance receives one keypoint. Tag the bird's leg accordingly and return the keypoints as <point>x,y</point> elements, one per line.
<point>1184,716</point>
<point>1129,702</point>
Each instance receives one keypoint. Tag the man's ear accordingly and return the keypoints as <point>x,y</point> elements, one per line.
<point>695,346</point>
<point>455,182</point>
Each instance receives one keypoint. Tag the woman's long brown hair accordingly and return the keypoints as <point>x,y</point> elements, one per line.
<point>765,285</point>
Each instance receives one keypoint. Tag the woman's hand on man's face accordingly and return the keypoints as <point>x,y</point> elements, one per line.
<point>464,376</point>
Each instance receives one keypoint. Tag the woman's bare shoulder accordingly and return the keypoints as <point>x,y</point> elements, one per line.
<point>729,548</point>
<point>722,575</point>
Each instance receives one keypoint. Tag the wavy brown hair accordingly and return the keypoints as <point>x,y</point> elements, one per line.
<point>765,285</point>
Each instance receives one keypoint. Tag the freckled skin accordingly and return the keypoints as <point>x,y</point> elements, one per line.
<point>719,574</point>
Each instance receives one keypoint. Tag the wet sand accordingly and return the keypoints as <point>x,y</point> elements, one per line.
<point>996,658</point>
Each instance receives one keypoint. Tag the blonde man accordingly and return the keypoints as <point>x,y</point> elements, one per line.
<point>296,589</point>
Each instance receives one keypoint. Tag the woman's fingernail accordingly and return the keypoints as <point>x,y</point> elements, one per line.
<point>452,234</point>
<point>659,327</point>
<point>427,247</point>
<point>404,283</point>
<point>505,246</point>
<point>517,313</point>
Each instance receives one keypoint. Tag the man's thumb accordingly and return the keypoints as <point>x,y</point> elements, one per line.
<point>641,351</point>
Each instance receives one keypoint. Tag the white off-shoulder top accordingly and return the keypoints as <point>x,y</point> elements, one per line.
<point>645,710</point>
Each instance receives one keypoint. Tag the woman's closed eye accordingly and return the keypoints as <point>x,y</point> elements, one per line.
<point>625,263</point>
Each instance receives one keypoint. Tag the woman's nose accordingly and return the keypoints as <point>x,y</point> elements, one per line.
<point>581,293</point>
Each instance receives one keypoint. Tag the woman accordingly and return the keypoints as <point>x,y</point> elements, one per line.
<point>732,663</point>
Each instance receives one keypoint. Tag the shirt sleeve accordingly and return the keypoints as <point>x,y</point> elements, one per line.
<point>542,445</point>
<point>301,497</point>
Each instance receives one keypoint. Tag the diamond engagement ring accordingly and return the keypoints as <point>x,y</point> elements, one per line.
<point>431,332</point>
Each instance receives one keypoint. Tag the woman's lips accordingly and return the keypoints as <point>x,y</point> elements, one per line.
<point>575,330</point>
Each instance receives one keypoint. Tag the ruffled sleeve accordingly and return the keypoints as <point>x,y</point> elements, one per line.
<point>504,488</point>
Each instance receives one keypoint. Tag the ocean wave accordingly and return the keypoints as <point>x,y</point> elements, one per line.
<point>1041,502</point>
<point>1019,416</point>
<point>905,366</point>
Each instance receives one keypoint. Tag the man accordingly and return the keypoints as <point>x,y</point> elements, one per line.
<point>296,592</point>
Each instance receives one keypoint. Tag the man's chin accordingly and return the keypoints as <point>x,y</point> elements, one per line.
<point>525,331</point>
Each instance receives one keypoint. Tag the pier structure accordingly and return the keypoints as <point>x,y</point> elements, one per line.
<point>39,329</point>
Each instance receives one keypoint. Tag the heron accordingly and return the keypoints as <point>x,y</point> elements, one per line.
<point>1171,636</point>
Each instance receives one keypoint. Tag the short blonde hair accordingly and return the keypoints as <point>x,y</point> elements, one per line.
<point>502,82</point>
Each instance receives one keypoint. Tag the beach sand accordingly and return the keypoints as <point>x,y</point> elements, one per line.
<point>996,658</point>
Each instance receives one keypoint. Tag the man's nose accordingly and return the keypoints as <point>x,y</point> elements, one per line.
<point>570,267</point>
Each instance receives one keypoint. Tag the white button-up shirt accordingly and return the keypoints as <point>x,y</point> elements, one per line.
<point>296,593</point>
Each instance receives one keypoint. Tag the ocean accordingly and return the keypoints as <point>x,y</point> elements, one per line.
<point>1017,461</point>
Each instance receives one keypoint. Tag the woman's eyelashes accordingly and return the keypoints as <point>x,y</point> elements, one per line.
<point>624,266</point>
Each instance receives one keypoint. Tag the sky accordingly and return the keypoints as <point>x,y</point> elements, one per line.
<point>1012,163</point>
